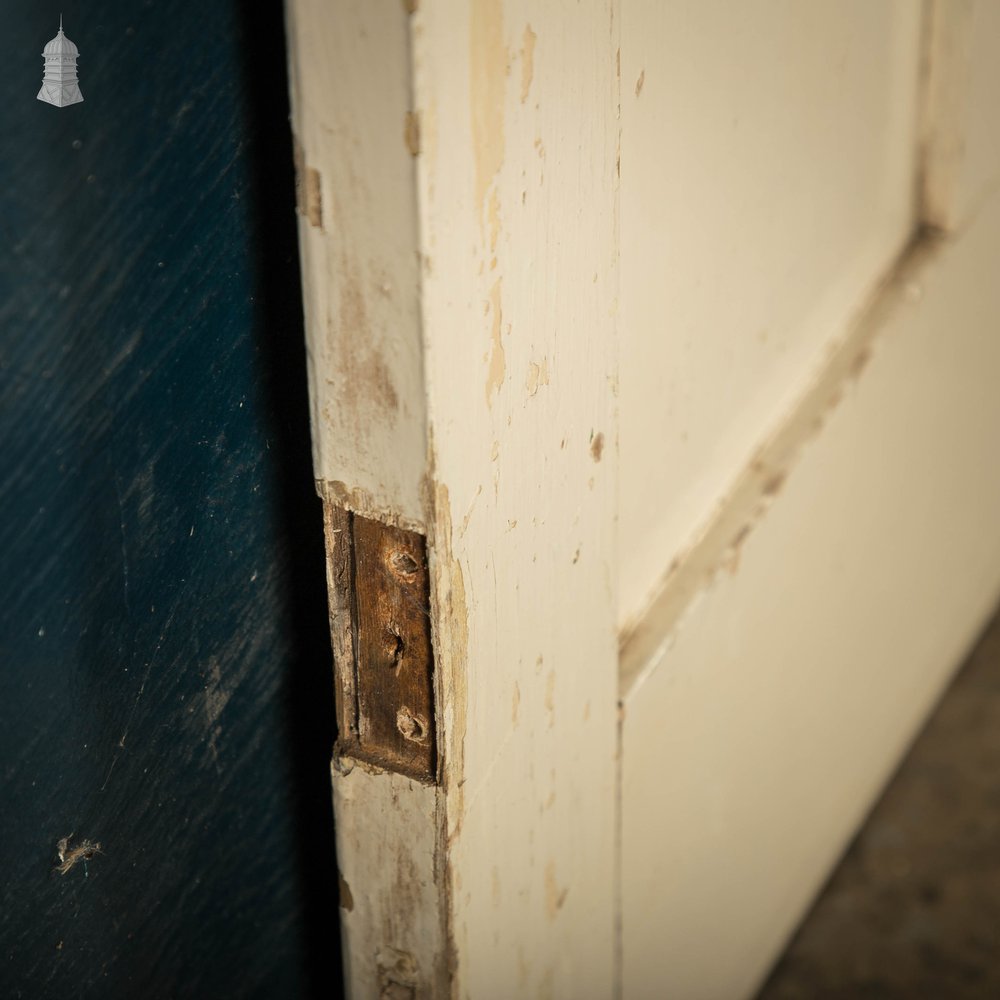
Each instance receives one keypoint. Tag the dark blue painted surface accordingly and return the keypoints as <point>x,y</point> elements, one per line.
<point>164,660</point>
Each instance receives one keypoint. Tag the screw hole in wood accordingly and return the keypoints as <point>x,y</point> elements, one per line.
<point>412,727</point>
<point>404,565</point>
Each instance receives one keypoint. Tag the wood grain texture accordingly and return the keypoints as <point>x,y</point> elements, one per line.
<point>517,196</point>
<point>358,134</point>
<point>505,379</point>
<point>165,683</point>
<point>351,87</point>
<point>783,699</point>
<point>340,590</point>
<point>390,857</point>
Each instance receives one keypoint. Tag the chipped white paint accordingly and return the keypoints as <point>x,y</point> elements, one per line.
<point>517,197</point>
<point>351,96</point>
<point>356,139</point>
<point>511,383</point>
<point>390,904</point>
<point>767,183</point>
<point>960,133</point>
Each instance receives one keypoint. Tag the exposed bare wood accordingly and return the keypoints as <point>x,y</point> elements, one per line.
<point>389,854</point>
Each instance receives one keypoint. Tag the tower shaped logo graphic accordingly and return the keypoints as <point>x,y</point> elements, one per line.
<point>59,85</point>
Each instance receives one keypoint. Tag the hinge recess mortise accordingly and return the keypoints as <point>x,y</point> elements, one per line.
<point>383,660</point>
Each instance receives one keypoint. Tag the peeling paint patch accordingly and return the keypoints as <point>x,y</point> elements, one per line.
<point>488,71</point>
<point>411,132</point>
<point>497,357</point>
<point>538,375</point>
<point>308,187</point>
<point>468,514</point>
<point>773,485</point>
<point>861,360</point>
<point>360,501</point>
<point>451,613</point>
<point>731,560</point>
<point>367,391</point>
<point>555,896</point>
<point>494,222</point>
<point>597,446</point>
<point>346,898</point>
<point>527,61</point>
<point>314,197</point>
<point>639,83</point>
<point>398,977</point>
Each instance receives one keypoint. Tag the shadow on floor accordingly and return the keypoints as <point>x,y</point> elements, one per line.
<point>913,910</point>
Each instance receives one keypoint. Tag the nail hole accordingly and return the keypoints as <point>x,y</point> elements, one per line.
<point>403,564</point>
<point>413,727</point>
<point>396,648</point>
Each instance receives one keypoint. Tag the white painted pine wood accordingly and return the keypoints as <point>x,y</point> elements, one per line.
<point>391,910</point>
<point>356,137</point>
<point>494,427</point>
<point>352,117</point>
<point>962,142</point>
<point>517,180</point>
<point>789,689</point>
<point>768,179</point>
<point>460,265</point>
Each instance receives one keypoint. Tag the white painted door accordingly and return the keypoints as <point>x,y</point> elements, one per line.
<point>668,330</point>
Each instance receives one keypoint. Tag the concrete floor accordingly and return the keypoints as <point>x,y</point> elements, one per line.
<point>913,910</point>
